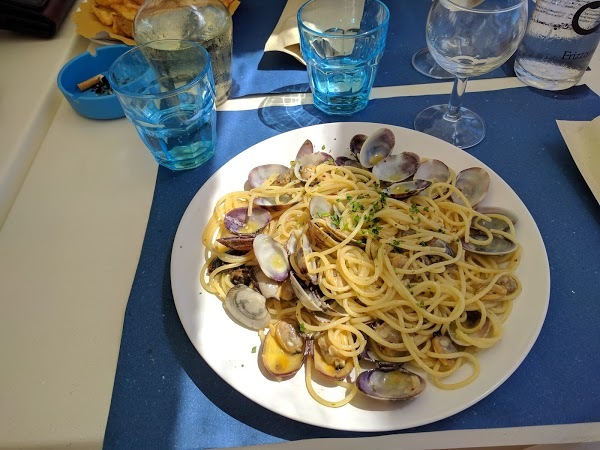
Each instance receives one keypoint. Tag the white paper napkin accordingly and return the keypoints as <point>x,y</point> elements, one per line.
<point>285,37</point>
<point>583,140</point>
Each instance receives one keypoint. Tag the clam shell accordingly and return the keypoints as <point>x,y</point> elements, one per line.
<point>305,166</point>
<point>497,247</point>
<point>305,149</point>
<point>406,189</point>
<point>329,369</point>
<point>271,203</point>
<point>390,384</point>
<point>319,207</point>
<point>357,142</point>
<point>473,183</point>
<point>260,174</point>
<point>248,307</point>
<point>309,298</point>
<point>377,146</point>
<point>495,223</point>
<point>433,170</point>
<point>395,168</point>
<point>272,257</point>
<point>278,360</point>
<point>241,243</point>
<point>345,161</point>
<point>238,222</point>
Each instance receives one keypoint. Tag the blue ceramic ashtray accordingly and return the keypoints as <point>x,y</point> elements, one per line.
<point>98,101</point>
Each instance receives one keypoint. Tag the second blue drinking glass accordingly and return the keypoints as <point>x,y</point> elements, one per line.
<point>342,43</point>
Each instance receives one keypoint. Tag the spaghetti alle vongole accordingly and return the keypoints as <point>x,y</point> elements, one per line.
<point>357,276</point>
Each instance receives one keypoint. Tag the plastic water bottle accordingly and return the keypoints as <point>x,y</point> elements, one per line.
<point>207,22</point>
<point>559,43</point>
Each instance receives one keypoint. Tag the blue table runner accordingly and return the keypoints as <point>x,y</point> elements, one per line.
<point>259,72</point>
<point>166,396</point>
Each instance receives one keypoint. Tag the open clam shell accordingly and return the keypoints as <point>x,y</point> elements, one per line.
<point>433,170</point>
<point>395,168</point>
<point>357,142</point>
<point>309,298</point>
<point>276,204</point>
<point>390,383</point>
<point>473,183</point>
<point>498,246</point>
<point>406,189</point>
<point>260,174</point>
<point>306,165</point>
<point>248,307</point>
<point>240,243</point>
<point>282,352</point>
<point>377,146</point>
<point>495,223</point>
<point>238,222</point>
<point>306,148</point>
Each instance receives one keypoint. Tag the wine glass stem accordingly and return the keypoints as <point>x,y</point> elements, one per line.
<point>453,114</point>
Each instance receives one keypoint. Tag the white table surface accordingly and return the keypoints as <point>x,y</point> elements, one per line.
<point>70,245</point>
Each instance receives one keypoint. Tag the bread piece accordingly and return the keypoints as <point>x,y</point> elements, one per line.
<point>104,15</point>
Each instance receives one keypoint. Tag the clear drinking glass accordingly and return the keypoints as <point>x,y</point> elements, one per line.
<point>342,43</point>
<point>167,91</point>
<point>468,38</point>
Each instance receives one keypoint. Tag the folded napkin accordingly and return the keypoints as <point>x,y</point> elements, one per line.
<point>37,17</point>
<point>583,141</point>
<point>285,37</point>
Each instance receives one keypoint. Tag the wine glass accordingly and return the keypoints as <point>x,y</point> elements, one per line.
<point>468,38</point>
<point>424,63</point>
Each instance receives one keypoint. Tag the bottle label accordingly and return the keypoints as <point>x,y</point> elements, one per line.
<point>565,19</point>
<point>583,19</point>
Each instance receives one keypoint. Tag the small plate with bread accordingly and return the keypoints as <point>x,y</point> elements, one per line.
<point>111,21</point>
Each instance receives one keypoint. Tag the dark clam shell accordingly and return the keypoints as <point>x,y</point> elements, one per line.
<point>406,189</point>
<point>357,142</point>
<point>305,149</point>
<point>345,161</point>
<point>390,383</point>
<point>241,243</point>
<point>239,223</point>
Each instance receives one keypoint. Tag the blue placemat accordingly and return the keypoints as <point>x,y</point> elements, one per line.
<point>165,395</point>
<point>259,72</point>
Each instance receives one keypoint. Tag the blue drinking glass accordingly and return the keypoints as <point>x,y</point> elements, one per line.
<point>167,91</point>
<point>342,43</point>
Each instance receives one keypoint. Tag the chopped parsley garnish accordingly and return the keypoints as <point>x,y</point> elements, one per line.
<point>254,349</point>
<point>302,327</point>
<point>336,220</point>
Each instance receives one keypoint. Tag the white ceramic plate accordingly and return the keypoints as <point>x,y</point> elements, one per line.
<point>228,347</point>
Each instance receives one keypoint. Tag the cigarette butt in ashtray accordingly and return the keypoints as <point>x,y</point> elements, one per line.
<point>85,85</point>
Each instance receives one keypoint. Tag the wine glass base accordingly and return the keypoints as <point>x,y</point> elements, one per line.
<point>465,132</point>
<point>424,63</point>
